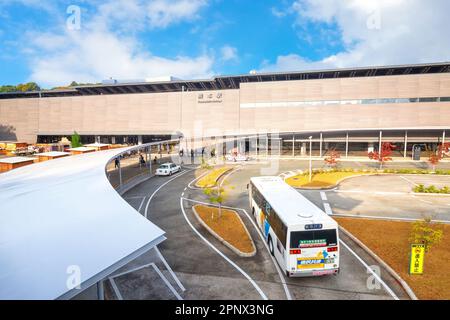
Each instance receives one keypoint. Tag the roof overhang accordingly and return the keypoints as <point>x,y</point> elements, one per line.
<point>60,216</point>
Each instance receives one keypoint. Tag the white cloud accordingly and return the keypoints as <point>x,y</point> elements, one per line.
<point>141,14</point>
<point>106,46</point>
<point>229,53</point>
<point>161,13</point>
<point>375,32</point>
<point>95,55</point>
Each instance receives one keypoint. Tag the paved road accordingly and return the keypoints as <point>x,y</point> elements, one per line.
<point>198,258</point>
<point>386,196</point>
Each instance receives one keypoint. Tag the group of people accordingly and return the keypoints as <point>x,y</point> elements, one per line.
<point>213,154</point>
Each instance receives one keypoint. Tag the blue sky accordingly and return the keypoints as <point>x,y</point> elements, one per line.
<point>137,39</point>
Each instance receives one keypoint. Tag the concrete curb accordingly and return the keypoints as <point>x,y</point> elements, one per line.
<point>223,241</point>
<point>218,178</point>
<point>402,282</point>
<point>430,194</point>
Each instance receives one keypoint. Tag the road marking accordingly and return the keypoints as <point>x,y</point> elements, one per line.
<point>424,201</point>
<point>280,274</point>
<point>229,174</point>
<point>323,195</point>
<point>407,180</point>
<point>327,207</point>
<point>161,186</point>
<point>389,290</point>
<point>254,284</point>
<point>142,202</point>
<point>195,180</point>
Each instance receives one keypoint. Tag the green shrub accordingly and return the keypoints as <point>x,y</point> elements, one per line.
<point>431,189</point>
<point>419,189</point>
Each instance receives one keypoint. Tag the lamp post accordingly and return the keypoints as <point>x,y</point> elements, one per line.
<point>310,158</point>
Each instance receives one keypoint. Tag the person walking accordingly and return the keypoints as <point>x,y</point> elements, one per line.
<point>116,163</point>
<point>141,160</point>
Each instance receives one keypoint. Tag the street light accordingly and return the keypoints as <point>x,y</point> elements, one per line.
<point>310,158</point>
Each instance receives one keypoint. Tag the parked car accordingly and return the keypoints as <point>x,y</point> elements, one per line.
<point>237,158</point>
<point>167,169</point>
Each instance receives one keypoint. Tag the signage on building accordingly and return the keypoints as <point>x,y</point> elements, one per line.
<point>212,97</point>
<point>416,259</point>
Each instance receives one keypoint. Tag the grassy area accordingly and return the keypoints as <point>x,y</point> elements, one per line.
<point>210,179</point>
<point>389,240</point>
<point>228,226</point>
<point>321,179</point>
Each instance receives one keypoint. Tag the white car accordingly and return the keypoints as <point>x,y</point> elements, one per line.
<point>167,169</point>
<point>239,157</point>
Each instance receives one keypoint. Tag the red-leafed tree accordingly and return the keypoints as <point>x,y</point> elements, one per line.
<point>384,155</point>
<point>443,149</point>
<point>333,158</point>
<point>435,158</point>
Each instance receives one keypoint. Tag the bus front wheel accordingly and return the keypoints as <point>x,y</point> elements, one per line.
<point>270,243</point>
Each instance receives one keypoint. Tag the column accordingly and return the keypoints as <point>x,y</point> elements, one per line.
<point>346,145</point>
<point>139,140</point>
<point>406,145</point>
<point>379,144</point>
<point>100,290</point>
<point>293,145</point>
<point>120,172</point>
<point>321,141</point>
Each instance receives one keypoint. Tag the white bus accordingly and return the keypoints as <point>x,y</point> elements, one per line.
<point>303,239</point>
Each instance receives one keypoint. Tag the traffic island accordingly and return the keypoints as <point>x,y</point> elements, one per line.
<point>227,227</point>
<point>210,179</point>
<point>322,180</point>
<point>389,240</point>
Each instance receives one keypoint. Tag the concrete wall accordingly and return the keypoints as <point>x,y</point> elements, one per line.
<point>215,113</point>
<point>344,117</point>
<point>19,120</point>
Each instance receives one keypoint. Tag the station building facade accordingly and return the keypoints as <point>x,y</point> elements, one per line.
<point>351,110</point>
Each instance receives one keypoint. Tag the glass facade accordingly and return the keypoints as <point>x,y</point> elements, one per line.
<point>342,102</point>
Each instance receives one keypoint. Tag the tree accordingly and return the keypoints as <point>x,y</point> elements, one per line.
<point>435,157</point>
<point>8,88</point>
<point>426,233</point>
<point>217,195</point>
<point>443,149</point>
<point>332,159</point>
<point>434,160</point>
<point>384,155</point>
<point>30,86</point>
<point>76,140</point>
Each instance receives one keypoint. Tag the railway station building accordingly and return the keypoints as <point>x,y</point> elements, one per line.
<point>351,110</point>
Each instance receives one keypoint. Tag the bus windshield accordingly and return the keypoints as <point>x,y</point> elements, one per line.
<point>313,239</point>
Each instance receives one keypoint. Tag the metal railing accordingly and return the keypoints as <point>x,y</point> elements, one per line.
<point>138,162</point>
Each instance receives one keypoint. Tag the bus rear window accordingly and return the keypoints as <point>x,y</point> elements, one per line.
<point>313,239</point>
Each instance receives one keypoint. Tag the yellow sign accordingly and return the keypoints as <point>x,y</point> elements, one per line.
<point>417,257</point>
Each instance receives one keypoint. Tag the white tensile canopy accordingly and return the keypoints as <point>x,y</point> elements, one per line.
<point>63,216</point>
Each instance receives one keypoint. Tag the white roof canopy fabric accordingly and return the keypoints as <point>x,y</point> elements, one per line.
<point>61,216</point>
